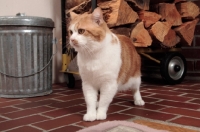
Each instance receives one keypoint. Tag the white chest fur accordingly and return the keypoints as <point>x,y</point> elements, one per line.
<point>103,65</point>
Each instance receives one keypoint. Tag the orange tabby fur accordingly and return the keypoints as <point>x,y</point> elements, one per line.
<point>84,22</point>
<point>131,62</point>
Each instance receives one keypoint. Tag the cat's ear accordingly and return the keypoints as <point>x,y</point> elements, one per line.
<point>73,15</point>
<point>97,16</point>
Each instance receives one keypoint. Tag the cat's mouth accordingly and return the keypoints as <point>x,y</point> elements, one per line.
<point>75,45</point>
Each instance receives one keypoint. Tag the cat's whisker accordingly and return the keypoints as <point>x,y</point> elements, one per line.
<point>91,51</point>
<point>88,50</point>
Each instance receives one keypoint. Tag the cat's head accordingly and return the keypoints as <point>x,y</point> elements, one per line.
<point>87,31</point>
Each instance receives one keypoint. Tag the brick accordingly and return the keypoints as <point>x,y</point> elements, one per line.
<point>2,119</point>
<point>192,53</point>
<point>55,91</point>
<point>34,99</point>
<point>195,88</point>
<point>197,30</point>
<point>167,92</point>
<point>193,74</point>
<point>36,104</point>
<point>130,98</point>
<point>21,122</point>
<point>149,114</point>
<point>179,104</point>
<point>27,112</point>
<point>42,109</point>
<point>71,97</point>
<point>185,112</point>
<point>146,106</point>
<point>68,103</point>
<point>68,128</point>
<point>191,95</point>
<point>7,110</point>
<point>110,117</point>
<point>190,65</point>
<point>169,97</point>
<point>196,101</point>
<point>20,113</point>
<point>6,100</point>
<point>197,66</point>
<point>65,111</point>
<point>188,91</point>
<point>13,102</point>
<point>71,92</point>
<point>187,121</point>
<point>197,40</point>
<point>116,100</point>
<point>63,121</point>
<point>25,129</point>
<point>115,108</point>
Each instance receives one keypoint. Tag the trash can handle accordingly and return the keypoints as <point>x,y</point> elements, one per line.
<point>20,14</point>
<point>54,42</point>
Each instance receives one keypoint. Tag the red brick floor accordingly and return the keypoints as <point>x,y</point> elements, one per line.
<point>64,108</point>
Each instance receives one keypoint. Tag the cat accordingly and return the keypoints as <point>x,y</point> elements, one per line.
<point>107,63</point>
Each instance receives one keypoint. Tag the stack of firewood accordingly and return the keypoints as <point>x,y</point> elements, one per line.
<point>149,22</point>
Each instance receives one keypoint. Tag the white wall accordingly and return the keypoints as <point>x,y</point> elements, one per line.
<point>43,8</point>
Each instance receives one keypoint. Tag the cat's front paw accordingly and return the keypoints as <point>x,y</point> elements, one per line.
<point>101,116</point>
<point>139,102</point>
<point>89,117</point>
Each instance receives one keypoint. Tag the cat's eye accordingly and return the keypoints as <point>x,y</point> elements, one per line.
<point>81,31</point>
<point>70,32</point>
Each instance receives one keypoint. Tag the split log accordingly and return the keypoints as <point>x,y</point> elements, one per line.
<point>159,30</point>
<point>81,8</point>
<point>171,39</point>
<point>162,23</point>
<point>140,36</point>
<point>122,31</point>
<point>188,10</point>
<point>139,4</point>
<point>177,1</point>
<point>170,13</point>
<point>149,18</point>
<point>165,1</point>
<point>186,31</point>
<point>153,2</point>
<point>72,3</point>
<point>118,12</point>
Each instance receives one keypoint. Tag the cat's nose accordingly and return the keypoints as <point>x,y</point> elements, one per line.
<point>74,41</point>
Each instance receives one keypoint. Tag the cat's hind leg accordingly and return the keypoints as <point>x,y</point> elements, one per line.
<point>136,92</point>
<point>90,95</point>
<point>107,93</point>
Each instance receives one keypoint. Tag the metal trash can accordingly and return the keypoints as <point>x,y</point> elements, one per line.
<point>25,56</point>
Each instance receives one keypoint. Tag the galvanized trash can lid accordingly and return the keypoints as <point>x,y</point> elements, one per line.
<point>22,20</point>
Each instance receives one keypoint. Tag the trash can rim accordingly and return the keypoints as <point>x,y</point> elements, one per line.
<point>26,21</point>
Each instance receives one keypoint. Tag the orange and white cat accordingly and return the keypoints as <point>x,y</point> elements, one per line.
<point>107,63</point>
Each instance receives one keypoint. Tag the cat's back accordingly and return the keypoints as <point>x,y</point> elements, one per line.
<point>127,45</point>
<point>131,62</point>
